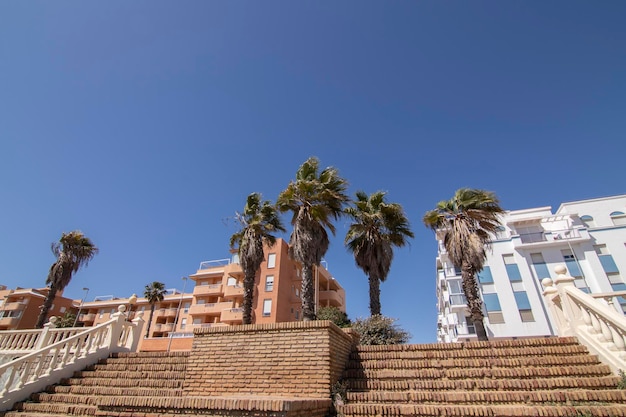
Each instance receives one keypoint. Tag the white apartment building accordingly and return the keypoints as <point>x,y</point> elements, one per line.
<point>588,237</point>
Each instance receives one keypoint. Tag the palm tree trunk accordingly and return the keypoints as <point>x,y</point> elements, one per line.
<point>248,293</point>
<point>150,320</point>
<point>45,308</point>
<point>374,295</point>
<point>474,303</point>
<point>308,293</point>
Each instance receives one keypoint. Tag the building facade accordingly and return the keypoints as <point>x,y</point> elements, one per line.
<point>215,299</point>
<point>20,307</point>
<point>588,237</point>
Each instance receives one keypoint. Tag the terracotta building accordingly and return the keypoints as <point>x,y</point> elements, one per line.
<point>19,308</point>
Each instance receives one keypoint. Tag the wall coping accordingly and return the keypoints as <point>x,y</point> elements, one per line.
<point>291,325</point>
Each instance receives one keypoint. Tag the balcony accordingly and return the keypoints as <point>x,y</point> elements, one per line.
<point>212,289</point>
<point>9,321</point>
<point>233,291</point>
<point>207,309</point>
<point>167,312</point>
<point>87,318</point>
<point>550,238</point>
<point>232,315</point>
<point>214,264</point>
<point>332,298</point>
<point>13,306</point>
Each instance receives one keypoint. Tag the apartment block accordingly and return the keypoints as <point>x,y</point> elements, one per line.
<point>588,237</point>
<point>19,308</point>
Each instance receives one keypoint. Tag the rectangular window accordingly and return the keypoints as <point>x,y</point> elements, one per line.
<point>512,270</point>
<point>570,263</point>
<point>101,313</point>
<point>521,298</point>
<point>456,292</point>
<point>484,276</point>
<point>541,268</point>
<point>492,303</point>
<point>231,281</point>
<point>269,283</point>
<point>608,264</point>
<point>620,286</point>
<point>183,323</point>
<point>271,260</point>
<point>186,307</point>
<point>267,307</point>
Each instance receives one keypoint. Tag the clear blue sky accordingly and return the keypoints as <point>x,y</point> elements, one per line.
<point>145,124</point>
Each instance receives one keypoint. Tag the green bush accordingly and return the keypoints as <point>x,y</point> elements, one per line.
<point>380,330</point>
<point>335,315</point>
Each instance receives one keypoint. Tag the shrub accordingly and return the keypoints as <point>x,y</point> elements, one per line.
<point>335,315</point>
<point>380,330</point>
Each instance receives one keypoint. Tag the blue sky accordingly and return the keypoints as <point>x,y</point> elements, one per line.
<point>145,124</point>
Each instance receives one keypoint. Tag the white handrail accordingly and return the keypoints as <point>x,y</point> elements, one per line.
<point>61,358</point>
<point>596,325</point>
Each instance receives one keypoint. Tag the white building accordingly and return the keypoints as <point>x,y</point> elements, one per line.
<point>588,237</point>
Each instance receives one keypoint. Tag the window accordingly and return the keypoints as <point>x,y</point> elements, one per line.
<point>112,312</point>
<point>607,261</point>
<point>183,323</point>
<point>297,314</point>
<point>540,266</point>
<point>587,221</point>
<point>231,282</point>
<point>269,283</point>
<point>619,218</point>
<point>571,263</point>
<point>523,305</point>
<point>512,270</point>
<point>484,276</point>
<point>186,307</point>
<point>271,260</point>
<point>267,307</point>
<point>456,292</point>
<point>500,232</point>
<point>492,303</point>
<point>62,309</point>
<point>100,313</point>
<point>471,329</point>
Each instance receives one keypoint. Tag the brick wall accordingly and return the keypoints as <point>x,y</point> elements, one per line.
<point>295,359</point>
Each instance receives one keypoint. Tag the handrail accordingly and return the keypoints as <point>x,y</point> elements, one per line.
<point>597,325</point>
<point>61,358</point>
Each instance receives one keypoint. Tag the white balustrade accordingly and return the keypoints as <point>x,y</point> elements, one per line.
<point>596,325</point>
<point>61,352</point>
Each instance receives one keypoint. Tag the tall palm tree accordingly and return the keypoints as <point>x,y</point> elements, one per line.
<point>258,221</point>
<point>154,293</point>
<point>73,251</point>
<point>377,227</point>
<point>315,198</point>
<point>467,222</point>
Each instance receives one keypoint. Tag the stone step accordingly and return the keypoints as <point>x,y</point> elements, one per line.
<point>489,397</point>
<point>484,384</point>
<point>415,410</point>
<point>123,382</point>
<point>136,375</point>
<point>523,361</point>
<point>57,408</point>
<point>113,391</point>
<point>506,352</point>
<point>480,373</point>
<point>152,366</point>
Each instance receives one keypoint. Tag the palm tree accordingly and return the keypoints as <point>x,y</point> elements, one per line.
<point>377,227</point>
<point>315,198</point>
<point>73,251</point>
<point>467,222</point>
<point>258,221</point>
<point>154,293</point>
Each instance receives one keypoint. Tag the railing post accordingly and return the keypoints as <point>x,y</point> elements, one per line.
<point>570,311</point>
<point>135,332</point>
<point>44,336</point>
<point>117,327</point>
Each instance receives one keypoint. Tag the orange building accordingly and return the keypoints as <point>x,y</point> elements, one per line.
<point>19,308</point>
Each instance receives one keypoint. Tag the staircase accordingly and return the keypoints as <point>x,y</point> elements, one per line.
<point>532,377</point>
<point>115,381</point>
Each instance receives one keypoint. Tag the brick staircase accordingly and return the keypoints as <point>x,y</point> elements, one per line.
<point>532,377</point>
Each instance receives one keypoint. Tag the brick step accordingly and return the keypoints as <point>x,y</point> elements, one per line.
<point>123,382</point>
<point>57,409</point>
<point>487,352</point>
<point>136,375</point>
<point>67,399</point>
<point>489,397</point>
<point>561,383</point>
<point>427,410</point>
<point>145,360</point>
<point>113,391</point>
<point>152,367</point>
<point>466,373</point>
<point>140,355</point>
<point>474,363</point>
<point>30,414</point>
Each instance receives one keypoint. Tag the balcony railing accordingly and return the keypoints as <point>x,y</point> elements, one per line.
<point>214,264</point>
<point>16,306</point>
<point>212,308</point>
<point>212,289</point>
<point>232,315</point>
<point>233,290</point>
<point>333,298</point>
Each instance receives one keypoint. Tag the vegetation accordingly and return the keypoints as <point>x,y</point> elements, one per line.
<point>467,222</point>
<point>315,198</point>
<point>340,318</point>
<point>67,320</point>
<point>73,251</point>
<point>377,226</point>
<point>258,221</point>
<point>380,330</point>
<point>622,382</point>
<point>154,293</point>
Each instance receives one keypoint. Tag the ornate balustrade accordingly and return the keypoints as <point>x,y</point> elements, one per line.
<point>596,325</point>
<point>58,353</point>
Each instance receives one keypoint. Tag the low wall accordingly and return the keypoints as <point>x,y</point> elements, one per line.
<point>295,359</point>
<point>160,344</point>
